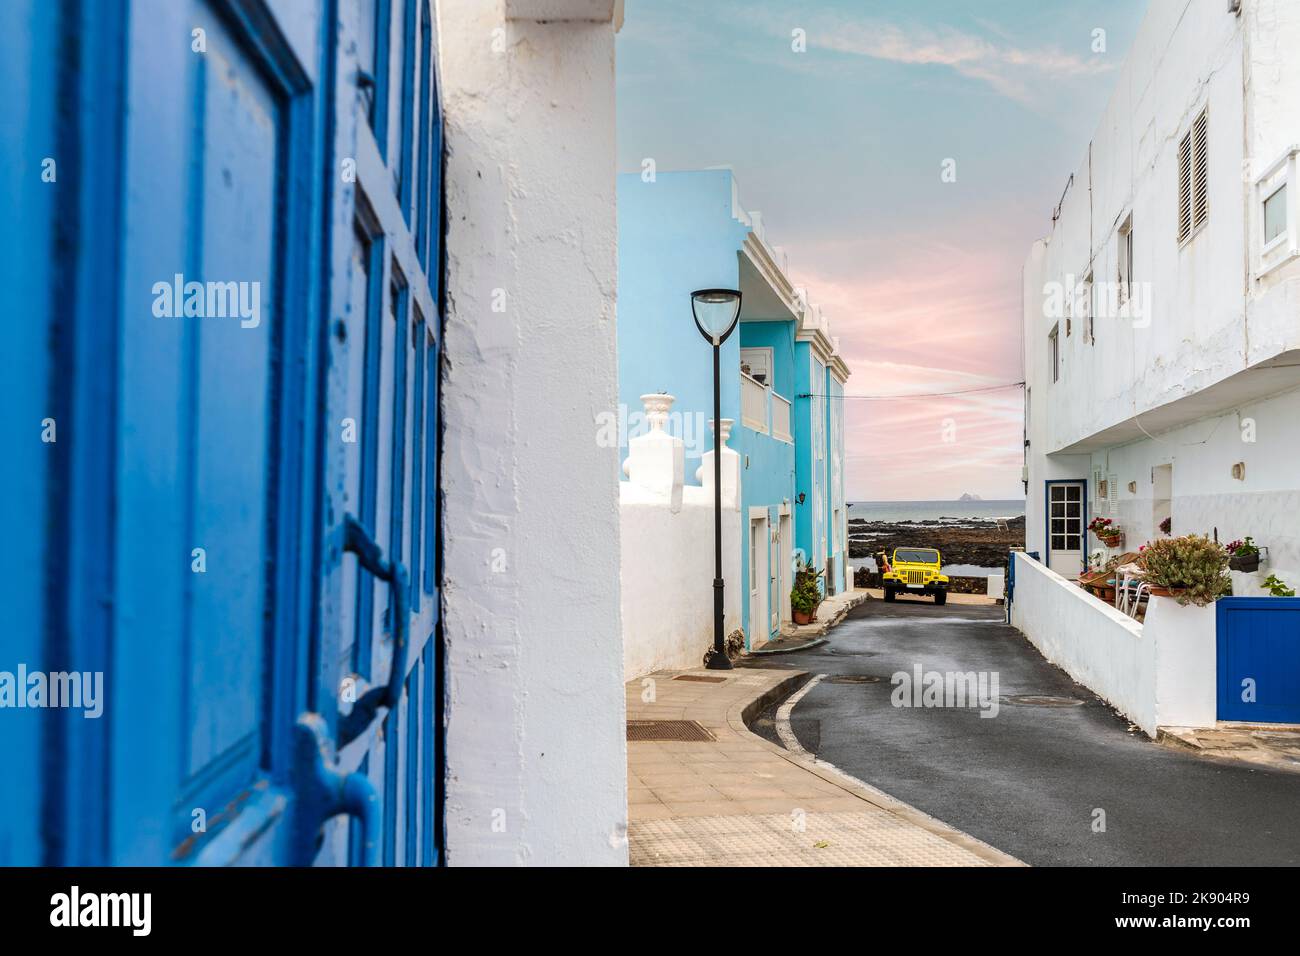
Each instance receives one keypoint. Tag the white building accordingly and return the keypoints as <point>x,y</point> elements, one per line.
<point>536,762</point>
<point>1162,311</point>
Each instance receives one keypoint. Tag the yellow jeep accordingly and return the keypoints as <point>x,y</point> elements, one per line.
<point>915,571</point>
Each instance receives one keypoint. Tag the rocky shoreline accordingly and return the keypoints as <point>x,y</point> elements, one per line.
<point>974,541</point>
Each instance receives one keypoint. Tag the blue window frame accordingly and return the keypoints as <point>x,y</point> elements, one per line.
<point>382,86</point>
<point>427,101</point>
<point>369,230</point>
<point>403,172</point>
<point>401,303</point>
<point>431,555</point>
<point>416,538</point>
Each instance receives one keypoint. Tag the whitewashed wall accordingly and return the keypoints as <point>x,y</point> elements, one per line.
<point>1187,55</point>
<point>536,758</point>
<point>1207,500</point>
<point>667,581</point>
<point>1158,674</point>
<point>667,549</point>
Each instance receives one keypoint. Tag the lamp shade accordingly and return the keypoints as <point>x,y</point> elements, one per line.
<point>716,312</point>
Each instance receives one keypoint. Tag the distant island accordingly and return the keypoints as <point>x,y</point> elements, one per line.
<point>970,497</point>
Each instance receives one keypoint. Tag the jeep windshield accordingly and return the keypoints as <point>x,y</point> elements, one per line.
<point>916,555</point>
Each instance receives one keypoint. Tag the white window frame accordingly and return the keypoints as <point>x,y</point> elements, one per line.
<point>1284,247</point>
<point>1124,258</point>
<point>767,355</point>
<point>1054,351</point>
<point>1090,309</point>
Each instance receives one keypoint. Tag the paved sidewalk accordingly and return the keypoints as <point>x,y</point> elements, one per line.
<point>829,613</point>
<point>739,800</point>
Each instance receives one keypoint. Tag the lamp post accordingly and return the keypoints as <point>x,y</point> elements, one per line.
<point>716,312</point>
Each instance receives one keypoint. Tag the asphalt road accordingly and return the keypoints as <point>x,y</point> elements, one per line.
<point>1031,779</point>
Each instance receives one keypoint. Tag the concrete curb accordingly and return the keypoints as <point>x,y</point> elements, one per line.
<point>789,650</point>
<point>739,717</point>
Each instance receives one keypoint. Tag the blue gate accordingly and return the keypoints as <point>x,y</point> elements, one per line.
<point>223,499</point>
<point>1259,659</point>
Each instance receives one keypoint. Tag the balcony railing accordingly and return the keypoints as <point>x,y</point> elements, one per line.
<point>781,418</point>
<point>753,404</point>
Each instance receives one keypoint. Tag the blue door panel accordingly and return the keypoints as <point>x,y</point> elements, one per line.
<point>229,383</point>
<point>28,135</point>
<point>226,408</point>
<point>1259,659</point>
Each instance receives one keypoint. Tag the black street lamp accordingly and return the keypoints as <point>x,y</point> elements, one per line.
<point>716,312</point>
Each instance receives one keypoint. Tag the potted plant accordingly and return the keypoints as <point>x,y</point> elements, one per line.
<point>1243,555</point>
<point>1167,526</point>
<point>1111,535</point>
<point>806,595</point>
<point>1277,587</point>
<point>1191,568</point>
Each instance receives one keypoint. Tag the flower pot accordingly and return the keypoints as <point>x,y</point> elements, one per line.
<point>802,617</point>
<point>1112,540</point>
<point>1165,592</point>
<point>1244,562</point>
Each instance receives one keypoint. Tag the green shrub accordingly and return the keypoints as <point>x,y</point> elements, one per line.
<point>1193,565</point>
<point>1277,587</point>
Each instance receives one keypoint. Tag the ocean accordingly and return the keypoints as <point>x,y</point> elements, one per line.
<point>935,510</point>
<point>954,513</point>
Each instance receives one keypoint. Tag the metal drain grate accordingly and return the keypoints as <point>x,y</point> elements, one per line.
<point>852,679</point>
<point>666,730</point>
<point>1042,700</point>
<point>702,679</point>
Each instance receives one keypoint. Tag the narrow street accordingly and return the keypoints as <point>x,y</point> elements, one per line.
<point>1030,780</point>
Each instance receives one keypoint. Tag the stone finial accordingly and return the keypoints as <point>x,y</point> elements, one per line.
<point>730,468</point>
<point>656,460</point>
<point>657,406</point>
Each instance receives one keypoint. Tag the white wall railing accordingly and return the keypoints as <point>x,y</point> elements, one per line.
<point>781,418</point>
<point>753,404</point>
<point>1159,674</point>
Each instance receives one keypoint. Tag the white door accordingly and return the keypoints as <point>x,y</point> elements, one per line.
<point>774,576</point>
<point>785,571</point>
<point>758,581</point>
<point>1065,528</point>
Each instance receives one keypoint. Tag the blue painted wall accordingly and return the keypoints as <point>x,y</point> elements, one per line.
<point>767,463</point>
<point>834,438</point>
<point>802,412</point>
<point>675,235</point>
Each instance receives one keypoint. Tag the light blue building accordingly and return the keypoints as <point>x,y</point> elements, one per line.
<point>821,517</point>
<point>681,231</point>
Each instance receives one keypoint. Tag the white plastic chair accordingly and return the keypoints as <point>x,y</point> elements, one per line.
<point>1129,588</point>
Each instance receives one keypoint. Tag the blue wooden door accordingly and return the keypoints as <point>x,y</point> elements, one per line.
<point>210,551</point>
<point>381,603</point>
<point>1259,659</point>
<point>233,529</point>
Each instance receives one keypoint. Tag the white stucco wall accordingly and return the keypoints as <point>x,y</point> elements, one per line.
<point>667,580</point>
<point>1159,674</point>
<point>536,758</point>
<point>667,562</point>
<point>1207,499</point>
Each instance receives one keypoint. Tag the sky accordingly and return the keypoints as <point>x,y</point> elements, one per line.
<point>843,147</point>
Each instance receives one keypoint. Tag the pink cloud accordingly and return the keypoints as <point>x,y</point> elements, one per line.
<point>925,317</point>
